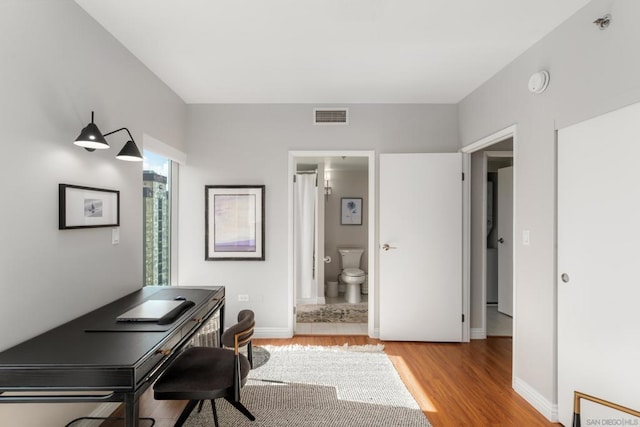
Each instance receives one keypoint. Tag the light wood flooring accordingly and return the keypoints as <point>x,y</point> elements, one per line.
<point>454,384</point>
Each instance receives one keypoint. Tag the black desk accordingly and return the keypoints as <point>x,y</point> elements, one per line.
<point>95,353</point>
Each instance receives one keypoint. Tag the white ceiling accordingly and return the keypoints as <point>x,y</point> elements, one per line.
<point>327,51</point>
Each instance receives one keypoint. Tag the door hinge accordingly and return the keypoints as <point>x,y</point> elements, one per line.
<point>463,318</point>
<point>294,179</point>
<point>463,176</point>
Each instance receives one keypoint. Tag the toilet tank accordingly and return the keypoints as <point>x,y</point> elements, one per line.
<point>351,257</point>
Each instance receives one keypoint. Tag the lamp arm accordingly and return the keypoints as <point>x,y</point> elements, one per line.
<point>118,130</point>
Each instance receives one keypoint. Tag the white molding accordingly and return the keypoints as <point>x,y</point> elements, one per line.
<point>490,139</point>
<point>152,144</point>
<point>535,399</point>
<point>314,300</point>
<point>478,333</point>
<point>273,333</point>
<point>374,333</point>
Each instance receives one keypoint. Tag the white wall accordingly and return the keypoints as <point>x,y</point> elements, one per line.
<point>57,66</point>
<point>592,72</point>
<point>249,144</point>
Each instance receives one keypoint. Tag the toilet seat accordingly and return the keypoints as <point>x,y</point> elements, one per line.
<point>353,272</point>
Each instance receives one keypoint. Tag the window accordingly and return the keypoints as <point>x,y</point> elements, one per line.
<point>157,219</point>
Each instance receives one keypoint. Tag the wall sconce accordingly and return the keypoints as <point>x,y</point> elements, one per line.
<point>327,185</point>
<point>92,139</point>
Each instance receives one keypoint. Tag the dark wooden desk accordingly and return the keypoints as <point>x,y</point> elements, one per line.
<point>94,353</point>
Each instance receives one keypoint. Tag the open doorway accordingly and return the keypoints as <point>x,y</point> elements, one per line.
<point>491,235</point>
<point>324,235</point>
<point>499,239</point>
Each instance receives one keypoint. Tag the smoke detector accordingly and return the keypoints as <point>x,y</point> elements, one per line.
<point>539,81</point>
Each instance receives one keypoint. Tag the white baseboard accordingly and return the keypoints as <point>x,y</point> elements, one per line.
<point>272,333</point>
<point>306,301</point>
<point>478,334</point>
<point>535,399</point>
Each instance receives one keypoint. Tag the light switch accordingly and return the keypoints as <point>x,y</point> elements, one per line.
<point>115,236</point>
<point>526,237</point>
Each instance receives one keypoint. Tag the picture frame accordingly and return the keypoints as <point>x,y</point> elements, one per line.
<point>87,207</point>
<point>351,211</point>
<point>234,222</point>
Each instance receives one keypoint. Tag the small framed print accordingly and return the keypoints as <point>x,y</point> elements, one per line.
<point>234,223</point>
<point>87,207</point>
<point>351,211</point>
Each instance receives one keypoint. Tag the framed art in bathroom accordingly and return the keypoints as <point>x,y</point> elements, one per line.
<point>234,223</point>
<point>351,211</point>
<point>87,207</point>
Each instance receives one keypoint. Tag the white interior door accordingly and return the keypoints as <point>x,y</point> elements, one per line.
<point>598,253</point>
<point>421,222</point>
<point>505,240</point>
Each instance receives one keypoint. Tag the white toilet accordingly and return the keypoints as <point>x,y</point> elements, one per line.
<point>352,276</point>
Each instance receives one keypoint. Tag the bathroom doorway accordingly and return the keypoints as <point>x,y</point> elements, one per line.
<point>317,293</point>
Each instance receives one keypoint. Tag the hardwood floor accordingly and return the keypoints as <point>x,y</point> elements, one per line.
<point>454,384</point>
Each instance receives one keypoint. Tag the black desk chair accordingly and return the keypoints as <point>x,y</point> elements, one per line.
<point>208,373</point>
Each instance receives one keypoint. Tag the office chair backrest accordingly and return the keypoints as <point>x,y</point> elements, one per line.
<point>240,334</point>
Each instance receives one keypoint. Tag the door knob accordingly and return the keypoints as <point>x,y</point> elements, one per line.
<point>565,277</point>
<point>386,247</point>
<point>501,240</point>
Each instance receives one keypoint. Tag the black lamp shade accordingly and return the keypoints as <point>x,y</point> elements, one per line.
<point>130,153</point>
<point>92,138</point>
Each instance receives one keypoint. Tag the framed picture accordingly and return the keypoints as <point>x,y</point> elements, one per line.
<point>87,207</point>
<point>234,223</point>
<point>351,211</point>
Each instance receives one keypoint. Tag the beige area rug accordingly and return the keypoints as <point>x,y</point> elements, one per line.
<point>321,386</point>
<point>333,313</point>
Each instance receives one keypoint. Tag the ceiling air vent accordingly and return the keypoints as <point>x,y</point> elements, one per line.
<point>330,116</point>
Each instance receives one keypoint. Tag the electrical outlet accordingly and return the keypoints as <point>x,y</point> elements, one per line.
<point>115,236</point>
<point>243,297</point>
<point>526,237</point>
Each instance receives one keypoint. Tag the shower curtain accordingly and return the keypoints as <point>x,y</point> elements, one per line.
<point>305,192</point>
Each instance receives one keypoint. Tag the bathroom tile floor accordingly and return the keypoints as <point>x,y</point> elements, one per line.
<point>333,328</point>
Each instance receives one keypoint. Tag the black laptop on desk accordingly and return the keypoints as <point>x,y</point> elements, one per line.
<point>153,310</point>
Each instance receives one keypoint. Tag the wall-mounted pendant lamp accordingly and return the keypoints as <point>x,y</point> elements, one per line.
<point>92,139</point>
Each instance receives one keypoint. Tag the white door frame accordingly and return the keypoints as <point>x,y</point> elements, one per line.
<point>294,156</point>
<point>481,144</point>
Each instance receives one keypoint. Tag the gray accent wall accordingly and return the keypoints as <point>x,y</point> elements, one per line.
<point>58,64</point>
<point>249,144</point>
<point>592,72</point>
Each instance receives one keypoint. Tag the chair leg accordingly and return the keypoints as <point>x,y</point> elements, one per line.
<point>250,354</point>
<point>200,406</point>
<point>240,407</point>
<point>186,412</point>
<point>215,412</point>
